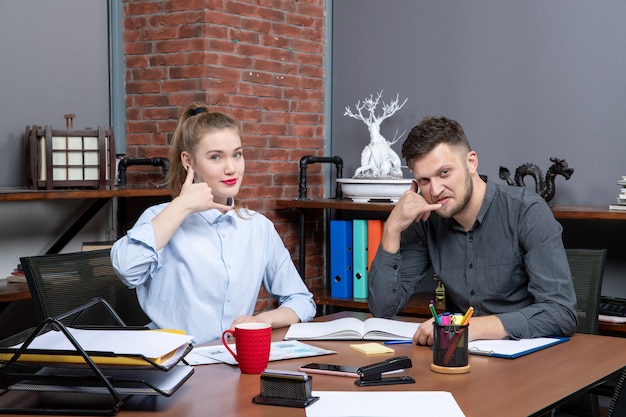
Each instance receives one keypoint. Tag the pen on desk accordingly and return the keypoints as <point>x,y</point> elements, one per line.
<point>398,342</point>
<point>434,312</point>
<point>467,316</point>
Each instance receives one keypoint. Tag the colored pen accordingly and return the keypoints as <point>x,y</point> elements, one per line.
<point>467,316</point>
<point>445,319</point>
<point>398,342</point>
<point>434,312</point>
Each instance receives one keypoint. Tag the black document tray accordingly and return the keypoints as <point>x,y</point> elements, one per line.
<point>85,388</point>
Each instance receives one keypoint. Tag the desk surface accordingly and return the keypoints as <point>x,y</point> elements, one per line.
<point>521,387</point>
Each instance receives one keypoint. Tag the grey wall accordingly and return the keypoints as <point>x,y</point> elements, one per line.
<point>528,80</point>
<point>53,61</point>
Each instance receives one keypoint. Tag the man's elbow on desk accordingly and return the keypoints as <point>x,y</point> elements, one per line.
<point>486,327</point>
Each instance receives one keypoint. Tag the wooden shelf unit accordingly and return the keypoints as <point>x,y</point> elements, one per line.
<point>560,212</point>
<point>418,304</point>
<point>19,194</point>
<point>99,198</point>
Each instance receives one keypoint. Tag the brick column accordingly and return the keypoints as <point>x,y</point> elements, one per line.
<point>261,62</point>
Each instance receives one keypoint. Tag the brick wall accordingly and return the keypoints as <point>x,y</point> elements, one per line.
<point>260,61</point>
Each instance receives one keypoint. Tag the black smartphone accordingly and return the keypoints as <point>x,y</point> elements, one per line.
<point>328,369</point>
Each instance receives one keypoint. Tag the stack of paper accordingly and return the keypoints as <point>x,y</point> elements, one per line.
<point>371,348</point>
<point>121,347</point>
<point>620,204</point>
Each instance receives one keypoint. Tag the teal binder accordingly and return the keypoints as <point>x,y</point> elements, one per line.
<point>359,243</point>
<point>341,258</point>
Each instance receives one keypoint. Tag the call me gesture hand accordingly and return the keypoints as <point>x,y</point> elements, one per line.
<point>193,197</point>
<point>198,196</point>
<point>412,207</point>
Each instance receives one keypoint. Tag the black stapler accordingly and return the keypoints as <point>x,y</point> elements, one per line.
<point>371,375</point>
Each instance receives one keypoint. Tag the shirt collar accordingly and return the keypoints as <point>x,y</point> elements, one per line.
<point>490,194</point>
<point>214,216</point>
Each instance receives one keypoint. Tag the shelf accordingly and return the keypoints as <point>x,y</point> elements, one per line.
<point>417,305</point>
<point>24,194</point>
<point>99,199</point>
<point>14,291</point>
<point>587,213</point>
<point>612,329</point>
<point>560,212</point>
<point>332,203</point>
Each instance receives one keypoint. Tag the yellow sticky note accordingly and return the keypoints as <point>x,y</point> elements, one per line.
<point>372,348</point>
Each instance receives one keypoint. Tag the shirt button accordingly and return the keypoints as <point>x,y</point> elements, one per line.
<point>470,266</point>
<point>395,267</point>
<point>471,239</point>
<point>472,293</point>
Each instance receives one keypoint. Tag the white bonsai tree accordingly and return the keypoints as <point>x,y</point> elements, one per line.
<point>378,160</point>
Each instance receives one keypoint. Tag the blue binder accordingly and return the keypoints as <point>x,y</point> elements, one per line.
<point>359,267</point>
<point>341,258</point>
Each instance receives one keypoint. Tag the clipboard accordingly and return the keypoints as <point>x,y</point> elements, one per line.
<point>511,348</point>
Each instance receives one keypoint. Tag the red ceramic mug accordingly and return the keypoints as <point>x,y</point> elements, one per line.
<point>252,343</point>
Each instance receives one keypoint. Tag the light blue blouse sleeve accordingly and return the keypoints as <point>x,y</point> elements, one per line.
<point>134,256</point>
<point>282,280</point>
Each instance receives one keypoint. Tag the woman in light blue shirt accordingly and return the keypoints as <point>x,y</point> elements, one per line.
<point>198,262</point>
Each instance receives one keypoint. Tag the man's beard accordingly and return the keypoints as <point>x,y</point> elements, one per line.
<point>467,195</point>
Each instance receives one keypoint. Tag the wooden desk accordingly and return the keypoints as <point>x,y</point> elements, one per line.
<point>526,386</point>
<point>14,291</point>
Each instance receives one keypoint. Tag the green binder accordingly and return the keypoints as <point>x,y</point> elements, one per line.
<point>359,269</point>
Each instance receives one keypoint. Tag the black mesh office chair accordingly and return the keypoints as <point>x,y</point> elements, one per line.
<point>587,268</point>
<point>62,282</point>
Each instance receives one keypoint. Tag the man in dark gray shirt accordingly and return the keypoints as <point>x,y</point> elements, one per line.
<point>495,247</point>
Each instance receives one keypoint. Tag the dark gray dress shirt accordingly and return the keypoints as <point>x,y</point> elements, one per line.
<point>511,263</point>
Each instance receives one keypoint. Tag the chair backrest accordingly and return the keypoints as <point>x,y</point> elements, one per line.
<point>62,282</point>
<point>587,268</point>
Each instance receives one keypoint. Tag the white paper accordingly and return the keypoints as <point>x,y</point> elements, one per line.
<point>384,404</point>
<point>205,355</point>
<point>508,346</point>
<point>149,343</point>
<point>612,319</point>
